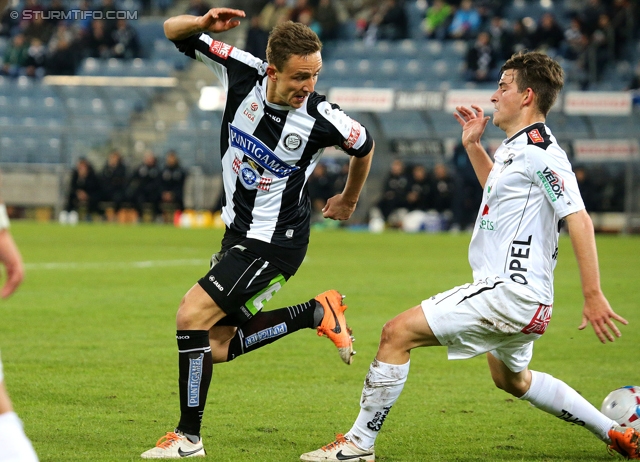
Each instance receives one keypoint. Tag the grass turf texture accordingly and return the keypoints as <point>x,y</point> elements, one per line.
<point>91,363</point>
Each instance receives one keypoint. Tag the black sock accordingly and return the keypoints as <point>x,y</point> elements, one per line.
<point>267,327</point>
<point>195,365</point>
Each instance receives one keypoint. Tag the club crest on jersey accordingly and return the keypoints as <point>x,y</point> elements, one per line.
<point>535,136</point>
<point>249,176</point>
<point>292,141</point>
<point>221,49</point>
<point>508,161</point>
<point>257,151</point>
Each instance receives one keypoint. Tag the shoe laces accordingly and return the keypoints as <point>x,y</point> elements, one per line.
<point>340,440</point>
<point>167,440</point>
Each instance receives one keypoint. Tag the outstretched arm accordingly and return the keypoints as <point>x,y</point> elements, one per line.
<point>342,206</point>
<point>215,20</point>
<point>597,310</point>
<point>473,125</point>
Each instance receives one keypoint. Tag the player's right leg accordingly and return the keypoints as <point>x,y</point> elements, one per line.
<point>383,385</point>
<point>197,313</point>
<point>555,397</point>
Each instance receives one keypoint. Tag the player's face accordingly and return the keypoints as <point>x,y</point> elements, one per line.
<point>506,100</point>
<point>296,80</point>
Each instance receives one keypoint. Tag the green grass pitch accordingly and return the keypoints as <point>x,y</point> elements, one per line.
<point>88,344</point>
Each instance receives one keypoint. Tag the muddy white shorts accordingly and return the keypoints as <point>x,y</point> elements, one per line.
<point>491,315</point>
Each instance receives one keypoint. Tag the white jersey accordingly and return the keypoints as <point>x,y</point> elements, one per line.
<point>530,189</point>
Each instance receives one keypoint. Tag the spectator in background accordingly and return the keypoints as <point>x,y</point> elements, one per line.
<point>443,191</point>
<point>84,192</point>
<point>419,193</point>
<point>257,38</point>
<point>197,8</point>
<point>437,20</point>
<point>114,180</point>
<point>394,190</point>
<point>481,60</point>
<point>173,177</point>
<point>35,66</point>
<point>99,43</point>
<point>274,13</point>
<point>301,7</point>
<point>321,189</point>
<point>145,187</point>
<point>588,189</point>
<point>38,28</point>
<point>576,41</point>
<point>500,37</point>
<point>603,40</point>
<point>327,17</point>
<point>389,22</point>
<point>634,84</point>
<point>56,11</point>
<point>8,24</point>
<point>126,44</point>
<point>548,36</point>
<point>16,56</point>
<point>465,22</point>
<point>623,24</point>
<point>589,16</point>
<point>62,56</point>
<point>518,39</point>
<point>467,195</point>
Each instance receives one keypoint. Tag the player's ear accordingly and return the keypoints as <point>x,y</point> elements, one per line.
<point>271,72</point>
<point>528,96</point>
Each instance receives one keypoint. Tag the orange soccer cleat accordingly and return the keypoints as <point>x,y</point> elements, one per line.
<point>334,324</point>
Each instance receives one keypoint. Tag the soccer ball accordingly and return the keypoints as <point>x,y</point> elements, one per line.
<point>623,406</point>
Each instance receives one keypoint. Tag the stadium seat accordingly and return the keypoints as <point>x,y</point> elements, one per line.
<point>404,125</point>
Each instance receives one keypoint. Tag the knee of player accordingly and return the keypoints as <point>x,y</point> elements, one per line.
<point>392,333</point>
<point>515,387</point>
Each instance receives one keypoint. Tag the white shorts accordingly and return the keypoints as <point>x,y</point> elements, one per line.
<point>492,315</point>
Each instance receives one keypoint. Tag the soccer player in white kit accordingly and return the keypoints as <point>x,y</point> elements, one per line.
<point>14,444</point>
<point>529,188</point>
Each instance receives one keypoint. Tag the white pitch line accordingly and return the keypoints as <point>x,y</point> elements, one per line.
<point>113,265</point>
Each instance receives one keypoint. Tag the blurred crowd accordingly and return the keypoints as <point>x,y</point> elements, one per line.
<point>589,34</point>
<point>150,192</point>
<point>420,197</point>
<point>54,39</point>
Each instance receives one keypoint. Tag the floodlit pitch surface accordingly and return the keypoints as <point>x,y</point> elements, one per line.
<point>90,355</point>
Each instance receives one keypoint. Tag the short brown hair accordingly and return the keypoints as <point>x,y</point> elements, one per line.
<point>540,73</point>
<point>291,38</point>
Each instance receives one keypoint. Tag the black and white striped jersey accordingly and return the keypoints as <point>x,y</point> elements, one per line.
<point>269,151</point>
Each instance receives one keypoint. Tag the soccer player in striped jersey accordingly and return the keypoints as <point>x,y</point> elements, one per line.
<point>275,128</point>
<point>529,190</point>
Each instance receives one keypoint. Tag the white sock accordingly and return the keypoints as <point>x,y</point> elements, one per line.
<point>382,387</point>
<point>14,444</point>
<point>559,399</point>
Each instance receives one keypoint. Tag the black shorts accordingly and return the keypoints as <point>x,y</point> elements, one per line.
<point>240,282</point>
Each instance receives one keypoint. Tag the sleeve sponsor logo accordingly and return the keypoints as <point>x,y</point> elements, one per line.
<point>257,151</point>
<point>535,136</point>
<point>353,136</point>
<point>552,182</point>
<point>220,49</point>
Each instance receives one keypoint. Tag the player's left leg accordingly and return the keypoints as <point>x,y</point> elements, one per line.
<point>382,386</point>
<point>558,399</point>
